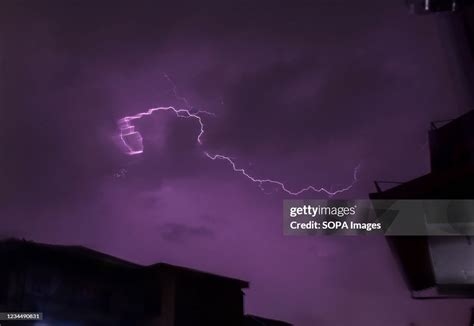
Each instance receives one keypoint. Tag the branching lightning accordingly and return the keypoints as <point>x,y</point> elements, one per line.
<point>129,134</point>
<point>127,129</point>
<point>279,184</point>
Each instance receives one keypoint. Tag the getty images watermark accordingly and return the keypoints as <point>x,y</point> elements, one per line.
<point>378,217</point>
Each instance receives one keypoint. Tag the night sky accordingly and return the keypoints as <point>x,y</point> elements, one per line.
<point>303,92</point>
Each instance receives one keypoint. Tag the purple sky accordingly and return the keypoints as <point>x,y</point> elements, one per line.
<point>302,93</point>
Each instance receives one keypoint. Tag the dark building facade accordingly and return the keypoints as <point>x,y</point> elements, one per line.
<point>73,285</point>
<point>445,264</point>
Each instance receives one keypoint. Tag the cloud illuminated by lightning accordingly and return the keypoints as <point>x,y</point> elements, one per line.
<point>127,129</point>
<point>133,143</point>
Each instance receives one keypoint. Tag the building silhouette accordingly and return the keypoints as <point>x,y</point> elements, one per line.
<point>443,267</point>
<point>74,285</point>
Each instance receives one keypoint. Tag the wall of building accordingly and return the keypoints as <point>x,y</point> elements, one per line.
<point>203,301</point>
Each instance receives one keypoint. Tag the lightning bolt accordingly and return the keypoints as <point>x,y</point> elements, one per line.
<point>132,141</point>
<point>127,129</point>
<point>279,184</point>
